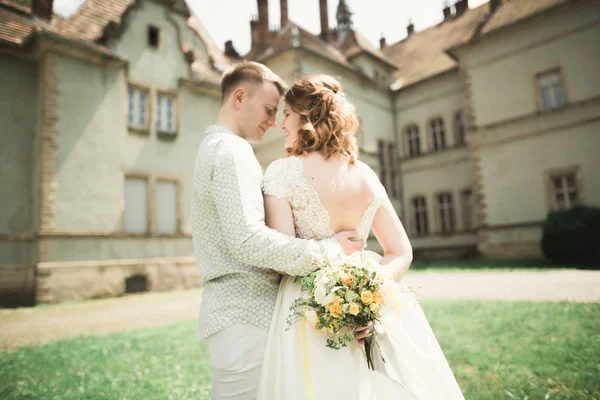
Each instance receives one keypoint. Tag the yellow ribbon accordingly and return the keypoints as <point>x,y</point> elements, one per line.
<point>306,364</point>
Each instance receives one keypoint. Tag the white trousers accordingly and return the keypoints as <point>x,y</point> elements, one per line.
<point>236,357</point>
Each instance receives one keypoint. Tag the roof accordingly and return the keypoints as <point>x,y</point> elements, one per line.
<point>517,10</point>
<point>16,24</point>
<point>293,36</point>
<point>355,44</point>
<point>95,18</point>
<point>421,55</point>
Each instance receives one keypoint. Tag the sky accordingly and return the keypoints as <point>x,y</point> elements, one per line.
<point>230,19</point>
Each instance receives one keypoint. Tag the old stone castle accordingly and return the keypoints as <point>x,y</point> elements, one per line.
<point>478,127</point>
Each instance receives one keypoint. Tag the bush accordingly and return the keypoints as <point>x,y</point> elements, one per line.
<point>573,236</point>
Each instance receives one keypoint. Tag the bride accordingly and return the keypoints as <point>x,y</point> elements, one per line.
<point>319,189</point>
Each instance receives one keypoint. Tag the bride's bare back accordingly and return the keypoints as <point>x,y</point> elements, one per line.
<point>344,189</point>
<point>313,198</point>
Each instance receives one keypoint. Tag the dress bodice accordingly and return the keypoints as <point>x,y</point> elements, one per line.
<point>285,179</point>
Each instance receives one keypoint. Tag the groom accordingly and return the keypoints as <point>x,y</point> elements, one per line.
<point>239,257</point>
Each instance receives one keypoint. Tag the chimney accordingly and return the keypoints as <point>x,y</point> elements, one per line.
<point>263,19</point>
<point>382,43</point>
<point>254,33</point>
<point>230,51</point>
<point>494,4</point>
<point>42,9</point>
<point>461,6</point>
<point>283,4</point>
<point>324,19</point>
<point>410,29</point>
<point>447,12</point>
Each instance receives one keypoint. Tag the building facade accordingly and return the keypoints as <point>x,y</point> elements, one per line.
<point>478,126</point>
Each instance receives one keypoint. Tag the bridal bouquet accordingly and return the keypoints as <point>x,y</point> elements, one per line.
<point>344,293</point>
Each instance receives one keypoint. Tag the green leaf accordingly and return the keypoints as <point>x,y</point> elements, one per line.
<point>351,296</point>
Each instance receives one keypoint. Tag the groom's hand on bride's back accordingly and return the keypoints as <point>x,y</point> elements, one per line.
<point>347,241</point>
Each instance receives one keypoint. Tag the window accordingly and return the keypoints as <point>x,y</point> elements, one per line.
<point>135,216</point>
<point>381,77</point>
<point>384,80</point>
<point>413,141</point>
<point>550,90</point>
<point>360,135</point>
<point>459,129</point>
<point>388,165</point>
<point>136,284</point>
<point>153,37</point>
<point>166,207</point>
<point>436,129</point>
<point>138,115</point>
<point>564,190</point>
<point>445,212</point>
<point>467,209</point>
<point>166,113</point>
<point>419,212</point>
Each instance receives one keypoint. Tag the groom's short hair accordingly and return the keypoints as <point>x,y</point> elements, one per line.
<point>249,72</point>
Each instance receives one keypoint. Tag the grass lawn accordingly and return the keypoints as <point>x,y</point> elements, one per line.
<point>480,265</point>
<point>497,349</point>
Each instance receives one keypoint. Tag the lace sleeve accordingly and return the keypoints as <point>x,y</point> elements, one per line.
<point>274,181</point>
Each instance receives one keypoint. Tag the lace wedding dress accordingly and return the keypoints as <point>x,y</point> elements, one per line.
<point>297,364</point>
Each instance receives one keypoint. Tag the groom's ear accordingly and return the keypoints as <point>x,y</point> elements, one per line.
<point>239,96</point>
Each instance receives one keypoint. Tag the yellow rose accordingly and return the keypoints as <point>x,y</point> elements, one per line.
<point>374,307</point>
<point>338,300</point>
<point>353,309</point>
<point>366,297</point>
<point>378,298</point>
<point>336,310</point>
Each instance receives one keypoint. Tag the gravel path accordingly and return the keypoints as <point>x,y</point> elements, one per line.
<point>44,324</point>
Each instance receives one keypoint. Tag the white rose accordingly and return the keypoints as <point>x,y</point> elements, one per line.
<point>312,317</point>
<point>320,293</point>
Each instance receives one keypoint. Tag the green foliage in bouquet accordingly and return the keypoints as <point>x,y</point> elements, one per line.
<point>344,293</point>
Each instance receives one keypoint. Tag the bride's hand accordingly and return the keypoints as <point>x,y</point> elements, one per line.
<point>347,241</point>
<point>361,332</point>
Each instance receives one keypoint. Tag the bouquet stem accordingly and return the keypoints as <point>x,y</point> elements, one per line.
<point>370,343</point>
<point>369,351</point>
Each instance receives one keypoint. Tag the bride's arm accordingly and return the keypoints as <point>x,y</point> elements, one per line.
<point>278,215</point>
<point>397,251</point>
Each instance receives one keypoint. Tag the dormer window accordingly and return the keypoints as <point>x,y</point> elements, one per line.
<point>153,37</point>
<point>380,77</point>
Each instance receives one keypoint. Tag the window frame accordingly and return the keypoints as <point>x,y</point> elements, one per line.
<point>178,209</point>
<point>538,89</point>
<point>144,130</point>
<point>147,179</point>
<point>149,30</point>
<point>450,207</point>
<point>552,174</point>
<point>467,208</point>
<point>459,139</point>
<point>432,133</point>
<point>408,140</point>
<point>174,95</point>
<point>414,216</point>
<point>389,173</point>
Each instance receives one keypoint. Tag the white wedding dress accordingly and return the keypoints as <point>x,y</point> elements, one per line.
<point>297,365</point>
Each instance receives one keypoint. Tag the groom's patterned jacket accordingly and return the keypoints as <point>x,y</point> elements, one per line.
<point>237,254</point>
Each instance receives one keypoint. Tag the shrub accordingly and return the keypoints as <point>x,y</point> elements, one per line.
<point>573,236</point>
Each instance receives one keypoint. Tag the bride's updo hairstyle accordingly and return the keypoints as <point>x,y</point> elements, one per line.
<point>328,122</point>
